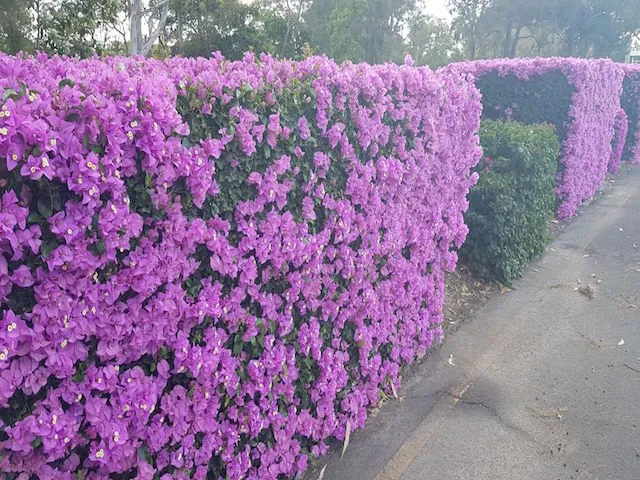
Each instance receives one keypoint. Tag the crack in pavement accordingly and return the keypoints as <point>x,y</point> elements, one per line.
<point>495,413</point>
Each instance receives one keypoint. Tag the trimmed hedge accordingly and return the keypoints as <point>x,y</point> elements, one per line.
<point>580,97</point>
<point>511,205</point>
<point>621,128</point>
<point>209,268</point>
<point>630,102</point>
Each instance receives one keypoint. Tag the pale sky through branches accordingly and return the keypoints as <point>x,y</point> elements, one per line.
<point>437,8</point>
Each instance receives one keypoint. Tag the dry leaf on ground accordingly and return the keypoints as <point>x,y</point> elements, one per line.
<point>347,436</point>
<point>322,472</point>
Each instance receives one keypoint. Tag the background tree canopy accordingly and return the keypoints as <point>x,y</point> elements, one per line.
<point>374,31</point>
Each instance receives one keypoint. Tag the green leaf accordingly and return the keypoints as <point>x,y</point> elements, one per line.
<point>78,375</point>
<point>101,246</point>
<point>10,93</point>
<point>74,114</point>
<point>66,82</point>
<point>237,345</point>
<point>35,217</point>
<point>163,353</point>
<point>48,247</point>
<point>143,453</point>
<point>44,207</point>
<point>36,443</point>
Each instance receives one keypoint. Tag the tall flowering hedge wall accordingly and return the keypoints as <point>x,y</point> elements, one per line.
<point>211,268</point>
<point>631,104</point>
<point>580,97</point>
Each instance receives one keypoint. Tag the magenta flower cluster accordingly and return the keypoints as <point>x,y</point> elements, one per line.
<point>124,352</point>
<point>585,154</point>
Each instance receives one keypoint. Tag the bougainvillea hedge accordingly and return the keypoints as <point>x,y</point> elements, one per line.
<point>210,268</point>
<point>580,97</point>
<point>630,102</point>
<point>510,207</point>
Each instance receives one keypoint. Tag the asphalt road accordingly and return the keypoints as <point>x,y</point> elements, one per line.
<point>545,381</point>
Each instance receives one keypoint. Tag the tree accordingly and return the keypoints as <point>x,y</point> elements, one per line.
<point>357,30</point>
<point>317,22</point>
<point>431,41</point>
<point>598,27</point>
<point>156,13</point>
<point>276,14</point>
<point>14,24</point>
<point>550,27</point>
<point>200,27</point>
<point>73,27</point>
<point>466,21</point>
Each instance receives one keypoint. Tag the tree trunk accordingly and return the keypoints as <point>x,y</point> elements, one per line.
<point>155,34</point>
<point>179,33</point>
<point>568,43</point>
<point>135,45</point>
<point>38,26</point>
<point>472,42</point>
<point>514,44</point>
<point>474,26</point>
<point>283,50</point>
<point>506,45</point>
<point>138,46</point>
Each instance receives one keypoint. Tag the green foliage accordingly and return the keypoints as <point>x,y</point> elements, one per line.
<point>578,28</point>
<point>74,27</point>
<point>540,99</point>
<point>360,30</point>
<point>199,28</point>
<point>629,102</point>
<point>282,22</point>
<point>513,200</point>
<point>431,41</point>
<point>375,31</point>
<point>232,178</point>
<point>14,22</point>
<point>596,28</point>
<point>466,22</point>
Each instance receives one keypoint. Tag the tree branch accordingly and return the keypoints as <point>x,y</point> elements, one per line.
<point>156,33</point>
<point>154,7</point>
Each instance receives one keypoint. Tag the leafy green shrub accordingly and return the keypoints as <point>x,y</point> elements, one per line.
<point>513,200</point>
<point>629,101</point>
<point>580,97</point>
<point>540,99</point>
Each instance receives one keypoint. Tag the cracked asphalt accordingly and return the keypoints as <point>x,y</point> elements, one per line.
<point>546,382</point>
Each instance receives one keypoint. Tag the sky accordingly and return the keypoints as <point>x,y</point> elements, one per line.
<point>437,8</point>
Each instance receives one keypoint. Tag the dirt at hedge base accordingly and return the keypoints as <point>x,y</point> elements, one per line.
<point>464,295</point>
